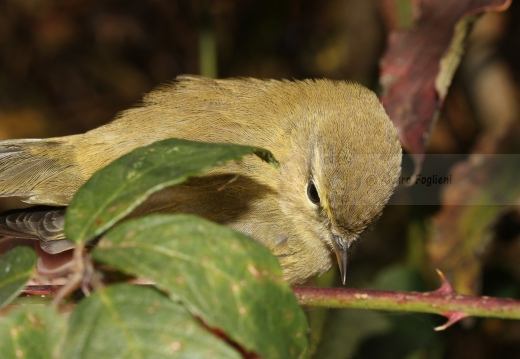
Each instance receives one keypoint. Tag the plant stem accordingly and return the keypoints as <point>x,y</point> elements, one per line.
<point>435,302</point>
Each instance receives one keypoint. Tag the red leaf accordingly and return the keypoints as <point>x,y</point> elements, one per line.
<point>412,65</point>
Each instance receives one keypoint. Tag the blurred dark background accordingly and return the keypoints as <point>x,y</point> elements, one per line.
<point>67,67</point>
<point>70,66</point>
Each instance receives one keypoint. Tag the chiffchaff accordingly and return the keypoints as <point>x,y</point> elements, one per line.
<point>339,160</point>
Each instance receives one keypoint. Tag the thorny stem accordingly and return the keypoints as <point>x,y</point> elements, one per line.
<point>446,303</point>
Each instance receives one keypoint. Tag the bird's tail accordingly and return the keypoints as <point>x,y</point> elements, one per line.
<point>38,171</point>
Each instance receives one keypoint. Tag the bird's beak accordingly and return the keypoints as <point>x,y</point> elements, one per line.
<point>341,249</point>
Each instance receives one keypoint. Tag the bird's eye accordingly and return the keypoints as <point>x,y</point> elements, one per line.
<point>312,193</point>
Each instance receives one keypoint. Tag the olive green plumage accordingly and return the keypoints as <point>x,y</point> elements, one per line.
<point>338,151</point>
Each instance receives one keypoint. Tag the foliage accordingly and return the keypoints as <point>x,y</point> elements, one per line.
<point>64,73</point>
<point>208,300</point>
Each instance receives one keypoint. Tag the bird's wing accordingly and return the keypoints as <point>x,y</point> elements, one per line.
<point>38,171</point>
<point>38,223</point>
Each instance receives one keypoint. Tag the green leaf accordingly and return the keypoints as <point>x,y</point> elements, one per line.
<point>114,191</point>
<point>228,280</point>
<point>16,268</point>
<point>127,321</point>
<point>30,332</point>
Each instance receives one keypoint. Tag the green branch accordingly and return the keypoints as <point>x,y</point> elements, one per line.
<point>443,301</point>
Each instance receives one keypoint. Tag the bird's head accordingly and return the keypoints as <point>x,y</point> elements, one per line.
<point>343,168</point>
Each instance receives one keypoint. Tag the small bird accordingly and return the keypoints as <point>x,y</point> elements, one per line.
<point>339,155</point>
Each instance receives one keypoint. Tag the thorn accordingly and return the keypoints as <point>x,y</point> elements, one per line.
<point>445,287</point>
<point>453,317</point>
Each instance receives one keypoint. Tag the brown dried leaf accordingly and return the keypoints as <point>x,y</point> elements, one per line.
<point>483,186</point>
<point>419,64</point>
